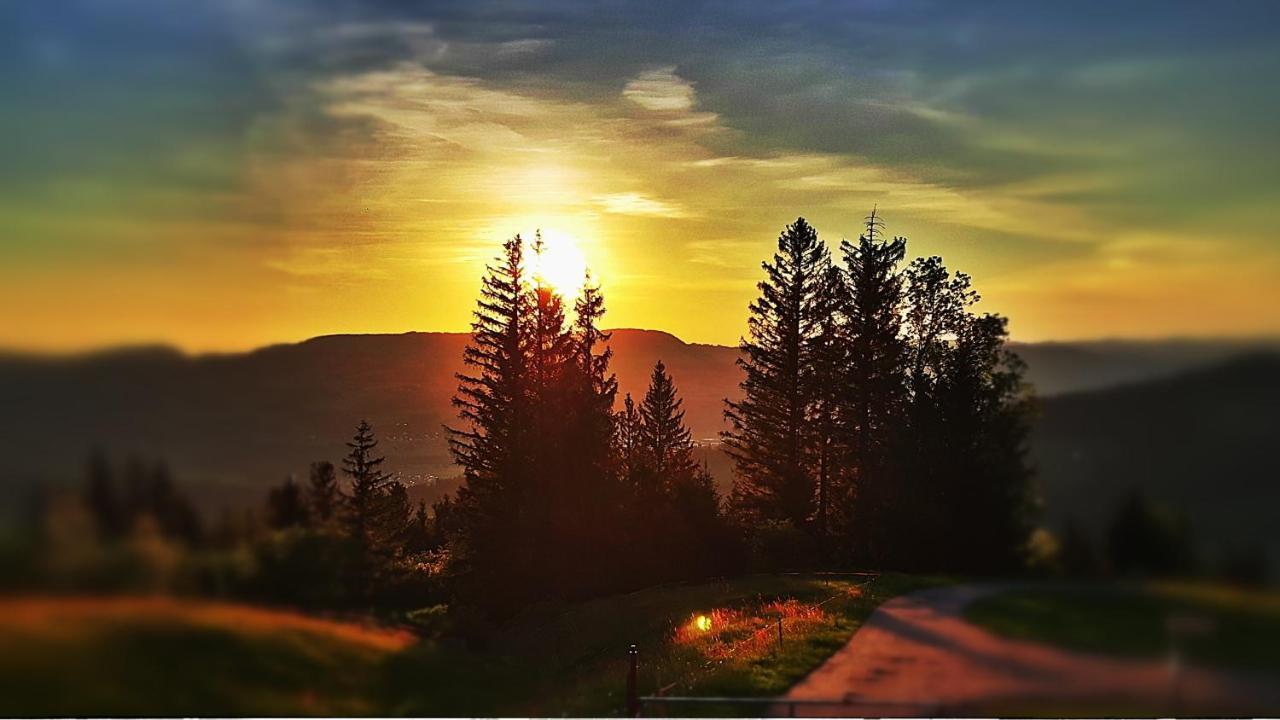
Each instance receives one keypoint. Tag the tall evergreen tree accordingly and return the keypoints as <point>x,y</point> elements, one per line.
<point>986,411</point>
<point>365,501</point>
<point>676,507</point>
<point>771,440</point>
<point>492,398</point>
<point>627,442</point>
<point>493,444</point>
<point>665,443</point>
<point>875,381</point>
<point>936,304</point>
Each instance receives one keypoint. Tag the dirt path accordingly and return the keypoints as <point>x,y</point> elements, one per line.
<point>916,655</point>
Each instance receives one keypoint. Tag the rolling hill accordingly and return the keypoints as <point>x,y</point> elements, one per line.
<point>1203,442</point>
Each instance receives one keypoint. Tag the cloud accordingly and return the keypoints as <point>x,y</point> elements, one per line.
<point>661,90</point>
<point>633,203</point>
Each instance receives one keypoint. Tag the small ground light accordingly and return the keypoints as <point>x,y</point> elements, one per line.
<point>702,622</point>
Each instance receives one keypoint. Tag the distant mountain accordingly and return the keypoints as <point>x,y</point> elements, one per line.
<point>1203,442</point>
<point>229,425</point>
<point>1063,367</point>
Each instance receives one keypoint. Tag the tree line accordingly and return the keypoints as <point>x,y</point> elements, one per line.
<point>883,424</point>
<point>884,421</point>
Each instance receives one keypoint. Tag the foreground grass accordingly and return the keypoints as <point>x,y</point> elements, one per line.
<point>574,661</point>
<point>143,656</point>
<point>1225,627</point>
<point>155,656</point>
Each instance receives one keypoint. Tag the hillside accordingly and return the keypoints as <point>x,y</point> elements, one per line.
<point>229,425</point>
<point>1203,442</point>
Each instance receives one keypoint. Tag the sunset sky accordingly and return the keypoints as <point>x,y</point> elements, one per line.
<point>223,175</point>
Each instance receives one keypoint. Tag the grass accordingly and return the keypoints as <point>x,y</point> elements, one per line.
<point>574,662</point>
<point>1222,627</point>
<point>155,656</point>
<point>123,657</point>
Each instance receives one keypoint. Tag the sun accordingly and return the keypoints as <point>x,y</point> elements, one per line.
<point>561,264</point>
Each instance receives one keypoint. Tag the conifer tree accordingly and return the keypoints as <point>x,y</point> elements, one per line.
<point>771,441</point>
<point>499,520</point>
<point>985,410</point>
<point>875,381</point>
<point>286,506</point>
<point>493,401</point>
<point>365,502</point>
<point>103,500</point>
<point>665,443</point>
<point>627,442</point>
<point>322,492</point>
<point>592,364</point>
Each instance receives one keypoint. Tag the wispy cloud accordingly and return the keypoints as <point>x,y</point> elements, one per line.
<point>633,203</point>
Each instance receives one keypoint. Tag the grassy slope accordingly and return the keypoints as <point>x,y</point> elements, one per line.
<point>1243,628</point>
<point>164,657</point>
<point>139,656</point>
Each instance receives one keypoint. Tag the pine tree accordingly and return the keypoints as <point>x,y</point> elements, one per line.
<point>492,395</point>
<point>592,364</point>
<point>936,304</point>
<point>666,446</point>
<point>829,360</point>
<point>322,492</point>
<point>675,507</point>
<point>985,410</point>
<point>771,441</point>
<point>875,382</point>
<point>286,506</point>
<point>364,503</point>
<point>627,442</point>
<point>495,444</point>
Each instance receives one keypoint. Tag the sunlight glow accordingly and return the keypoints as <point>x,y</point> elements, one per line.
<point>561,265</point>
<point>702,622</point>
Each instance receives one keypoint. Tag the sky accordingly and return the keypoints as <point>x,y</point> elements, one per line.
<point>220,175</point>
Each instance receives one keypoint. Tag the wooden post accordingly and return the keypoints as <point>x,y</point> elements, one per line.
<point>633,696</point>
<point>779,633</point>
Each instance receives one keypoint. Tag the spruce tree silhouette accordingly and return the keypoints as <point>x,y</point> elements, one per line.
<point>322,492</point>
<point>772,437</point>
<point>364,511</point>
<point>874,384</point>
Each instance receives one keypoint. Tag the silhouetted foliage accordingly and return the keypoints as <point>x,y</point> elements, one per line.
<point>772,439</point>
<point>1077,555</point>
<point>540,485</point>
<point>493,444</point>
<point>323,494</point>
<point>103,499</point>
<point>674,507</point>
<point>909,412</point>
<point>1147,539</point>
<point>874,388</point>
<point>286,506</point>
<point>367,506</point>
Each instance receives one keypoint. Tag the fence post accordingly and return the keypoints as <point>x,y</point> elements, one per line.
<point>633,697</point>
<point>779,633</point>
